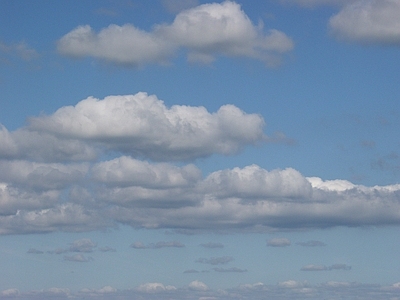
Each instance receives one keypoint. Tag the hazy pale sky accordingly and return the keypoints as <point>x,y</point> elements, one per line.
<point>184,149</point>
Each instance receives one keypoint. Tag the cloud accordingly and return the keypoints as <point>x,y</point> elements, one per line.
<point>155,287</point>
<point>191,271</point>
<point>198,286</point>
<point>212,245</point>
<point>278,242</point>
<point>368,22</point>
<point>78,258</point>
<point>230,270</point>
<point>311,244</point>
<point>107,249</point>
<point>82,245</point>
<point>215,260</point>
<point>158,245</point>
<point>205,31</point>
<point>141,125</point>
<point>21,50</point>
<point>325,268</point>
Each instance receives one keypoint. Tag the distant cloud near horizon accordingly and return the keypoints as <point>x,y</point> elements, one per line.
<point>278,242</point>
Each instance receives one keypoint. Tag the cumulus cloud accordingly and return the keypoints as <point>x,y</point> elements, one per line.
<point>141,125</point>
<point>215,260</point>
<point>82,245</point>
<point>205,31</point>
<point>155,287</point>
<point>278,242</point>
<point>368,22</point>
<point>198,286</point>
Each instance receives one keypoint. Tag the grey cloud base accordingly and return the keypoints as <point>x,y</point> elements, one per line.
<point>76,191</point>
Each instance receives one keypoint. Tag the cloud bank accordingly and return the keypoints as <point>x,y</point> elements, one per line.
<point>125,163</point>
<point>204,31</point>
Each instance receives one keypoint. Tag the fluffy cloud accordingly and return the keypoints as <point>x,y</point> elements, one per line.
<point>155,287</point>
<point>82,245</point>
<point>368,22</point>
<point>141,125</point>
<point>278,242</point>
<point>78,258</point>
<point>204,31</point>
<point>198,286</point>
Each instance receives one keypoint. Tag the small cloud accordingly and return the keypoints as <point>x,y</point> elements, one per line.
<point>138,245</point>
<point>230,270</point>
<point>58,251</point>
<point>212,245</point>
<point>82,245</point>
<point>34,251</point>
<point>311,244</point>
<point>278,242</point>
<point>198,286</point>
<point>191,271</point>
<point>325,268</point>
<point>78,258</point>
<point>158,245</point>
<point>215,260</point>
<point>10,293</point>
<point>291,284</point>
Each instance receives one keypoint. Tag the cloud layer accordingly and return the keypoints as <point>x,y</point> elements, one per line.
<point>205,31</point>
<point>102,178</point>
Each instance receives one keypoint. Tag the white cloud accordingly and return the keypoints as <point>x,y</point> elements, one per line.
<point>142,125</point>
<point>278,242</point>
<point>205,31</point>
<point>82,245</point>
<point>368,22</point>
<point>314,268</point>
<point>155,287</point>
<point>198,286</point>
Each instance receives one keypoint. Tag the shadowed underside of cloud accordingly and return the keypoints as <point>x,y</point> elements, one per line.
<point>41,192</point>
<point>368,22</point>
<point>205,31</point>
<point>198,290</point>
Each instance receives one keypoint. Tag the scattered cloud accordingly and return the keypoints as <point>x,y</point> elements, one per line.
<point>278,242</point>
<point>325,268</point>
<point>230,270</point>
<point>311,244</point>
<point>198,286</point>
<point>212,245</point>
<point>205,31</point>
<point>158,245</point>
<point>82,245</point>
<point>368,22</point>
<point>215,260</point>
<point>21,50</point>
<point>155,287</point>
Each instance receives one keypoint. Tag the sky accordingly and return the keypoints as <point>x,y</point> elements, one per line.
<point>185,149</point>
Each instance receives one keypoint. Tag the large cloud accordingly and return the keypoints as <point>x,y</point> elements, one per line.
<point>368,22</point>
<point>205,31</point>
<point>142,125</point>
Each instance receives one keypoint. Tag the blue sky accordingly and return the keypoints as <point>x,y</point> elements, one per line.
<point>184,149</point>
